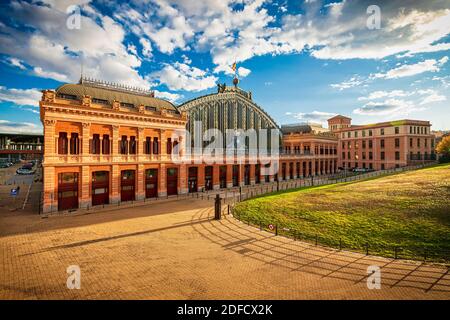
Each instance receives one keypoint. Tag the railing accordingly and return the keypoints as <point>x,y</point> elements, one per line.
<point>422,157</point>
<point>397,251</point>
<point>404,251</point>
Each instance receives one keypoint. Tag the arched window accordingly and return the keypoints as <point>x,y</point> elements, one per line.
<point>155,146</point>
<point>62,143</point>
<point>74,143</point>
<point>132,145</point>
<point>105,144</point>
<point>95,144</point>
<point>124,145</point>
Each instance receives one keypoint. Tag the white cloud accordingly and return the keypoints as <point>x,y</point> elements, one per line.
<point>146,48</point>
<point>393,107</point>
<point>243,72</point>
<point>390,102</point>
<point>314,116</point>
<point>434,97</point>
<point>385,94</point>
<point>181,76</point>
<point>16,63</point>
<point>53,51</point>
<point>50,75</point>
<point>407,70</point>
<point>19,127</point>
<point>352,82</point>
<point>172,97</point>
<point>24,97</point>
<point>228,29</point>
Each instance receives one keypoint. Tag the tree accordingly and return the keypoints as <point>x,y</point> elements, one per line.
<point>443,148</point>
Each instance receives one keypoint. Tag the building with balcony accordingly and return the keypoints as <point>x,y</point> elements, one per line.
<point>383,145</point>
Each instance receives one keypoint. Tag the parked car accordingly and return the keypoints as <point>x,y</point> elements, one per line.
<point>3,165</point>
<point>25,171</point>
<point>27,166</point>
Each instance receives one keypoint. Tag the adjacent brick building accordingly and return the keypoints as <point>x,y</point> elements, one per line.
<point>383,145</point>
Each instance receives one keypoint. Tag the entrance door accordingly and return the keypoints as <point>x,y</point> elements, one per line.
<point>67,191</point>
<point>100,188</point>
<point>235,175</point>
<point>172,181</point>
<point>209,178</point>
<point>247,174</point>
<point>223,176</point>
<point>127,185</point>
<point>283,171</point>
<point>151,183</point>
<point>291,170</point>
<point>192,180</point>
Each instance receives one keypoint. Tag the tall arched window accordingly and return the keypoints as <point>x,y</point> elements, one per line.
<point>124,145</point>
<point>155,146</point>
<point>105,144</point>
<point>95,144</point>
<point>74,143</point>
<point>62,143</point>
<point>132,145</point>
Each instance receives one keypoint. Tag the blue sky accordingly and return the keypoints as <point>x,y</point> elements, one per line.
<point>303,60</point>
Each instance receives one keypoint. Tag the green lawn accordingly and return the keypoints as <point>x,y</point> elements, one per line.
<point>409,210</point>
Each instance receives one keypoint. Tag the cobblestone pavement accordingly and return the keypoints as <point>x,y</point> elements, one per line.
<point>173,250</point>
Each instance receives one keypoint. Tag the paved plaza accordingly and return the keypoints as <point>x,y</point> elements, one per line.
<point>174,250</point>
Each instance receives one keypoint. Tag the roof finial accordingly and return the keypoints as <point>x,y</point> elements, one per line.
<point>234,68</point>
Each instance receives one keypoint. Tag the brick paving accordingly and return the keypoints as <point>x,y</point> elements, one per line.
<point>173,250</point>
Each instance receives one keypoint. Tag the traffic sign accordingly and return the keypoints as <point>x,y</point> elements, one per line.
<point>271,227</point>
<point>14,192</point>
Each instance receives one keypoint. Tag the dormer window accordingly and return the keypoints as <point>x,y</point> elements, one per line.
<point>149,108</point>
<point>99,101</point>
<point>127,105</point>
<point>67,96</point>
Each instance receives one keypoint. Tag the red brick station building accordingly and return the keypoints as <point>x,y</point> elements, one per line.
<point>106,143</point>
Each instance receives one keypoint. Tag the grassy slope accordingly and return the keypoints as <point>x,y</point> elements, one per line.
<point>407,209</point>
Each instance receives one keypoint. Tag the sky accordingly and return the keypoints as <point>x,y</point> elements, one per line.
<point>304,61</point>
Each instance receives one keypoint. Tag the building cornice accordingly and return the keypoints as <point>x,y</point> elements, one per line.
<point>109,114</point>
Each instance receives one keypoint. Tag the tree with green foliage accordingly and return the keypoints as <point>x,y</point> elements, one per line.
<point>443,148</point>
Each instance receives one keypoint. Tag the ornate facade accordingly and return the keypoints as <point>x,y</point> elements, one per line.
<point>105,144</point>
<point>229,108</point>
